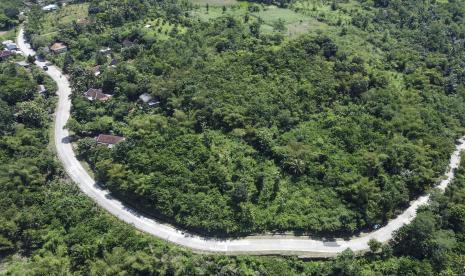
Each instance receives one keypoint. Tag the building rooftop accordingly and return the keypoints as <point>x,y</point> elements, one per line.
<point>11,46</point>
<point>145,97</point>
<point>57,46</point>
<point>109,139</point>
<point>148,99</point>
<point>96,94</point>
<point>113,62</point>
<point>105,50</point>
<point>50,7</point>
<point>42,88</point>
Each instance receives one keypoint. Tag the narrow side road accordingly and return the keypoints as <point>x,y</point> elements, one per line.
<point>256,245</point>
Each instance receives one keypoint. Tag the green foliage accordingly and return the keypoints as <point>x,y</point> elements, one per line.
<point>262,135</point>
<point>9,13</point>
<point>374,245</point>
<point>6,117</point>
<point>280,3</point>
<point>15,84</point>
<point>32,113</point>
<point>252,132</point>
<point>434,236</point>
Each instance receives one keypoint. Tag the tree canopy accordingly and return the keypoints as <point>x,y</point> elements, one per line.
<point>248,128</point>
<point>251,132</point>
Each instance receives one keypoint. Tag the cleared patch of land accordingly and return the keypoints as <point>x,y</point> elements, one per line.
<point>294,23</point>
<point>326,12</point>
<point>160,29</point>
<point>215,2</point>
<point>63,16</point>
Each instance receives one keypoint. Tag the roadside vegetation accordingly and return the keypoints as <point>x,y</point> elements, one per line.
<point>257,130</point>
<point>47,227</point>
<point>9,18</point>
<point>9,14</point>
<point>328,130</point>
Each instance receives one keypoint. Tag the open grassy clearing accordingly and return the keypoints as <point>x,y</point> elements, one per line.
<point>297,28</point>
<point>205,14</point>
<point>215,2</point>
<point>302,16</point>
<point>160,29</point>
<point>270,14</point>
<point>63,16</point>
<point>325,11</point>
<point>8,35</point>
<point>295,23</point>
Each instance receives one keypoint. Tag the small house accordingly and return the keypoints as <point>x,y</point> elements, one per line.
<point>114,62</point>
<point>109,140</point>
<point>11,46</point>
<point>58,48</point>
<point>96,94</point>
<point>105,51</point>
<point>4,43</point>
<point>148,99</point>
<point>145,97</point>
<point>42,89</point>
<point>5,54</point>
<point>49,8</point>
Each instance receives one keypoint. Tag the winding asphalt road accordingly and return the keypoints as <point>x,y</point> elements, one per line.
<point>254,245</point>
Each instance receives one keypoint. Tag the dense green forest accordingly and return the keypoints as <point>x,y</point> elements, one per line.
<point>47,227</point>
<point>330,131</point>
<point>254,130</point>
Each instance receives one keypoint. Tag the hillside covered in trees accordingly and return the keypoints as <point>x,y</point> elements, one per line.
<point>47,227</point>
<point>9,13</point>
<point>252,129</point>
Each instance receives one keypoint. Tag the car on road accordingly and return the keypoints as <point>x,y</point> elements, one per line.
<point>45,68</point>
<point>48,63</point>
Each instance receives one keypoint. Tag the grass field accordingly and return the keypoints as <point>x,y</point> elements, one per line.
<point>322,10</point>
<point>64,16</point>
<point>295,23</point>
<point>214,2</point>
<point>301,17</point>
<point>8,35</point>
<point>160,29</point>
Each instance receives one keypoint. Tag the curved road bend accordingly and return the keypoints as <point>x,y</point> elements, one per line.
<point>256,245</point>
